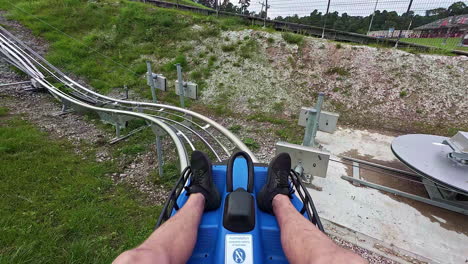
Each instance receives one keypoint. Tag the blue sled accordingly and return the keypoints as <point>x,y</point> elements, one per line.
<point>238,232</point>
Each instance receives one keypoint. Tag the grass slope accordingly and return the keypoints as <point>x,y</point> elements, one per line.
<point>56,207</point>
<point>109,41</point>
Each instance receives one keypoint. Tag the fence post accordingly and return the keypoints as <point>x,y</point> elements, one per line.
<point>372,18</point>
<point>325,19</point>
<point>407,12</point>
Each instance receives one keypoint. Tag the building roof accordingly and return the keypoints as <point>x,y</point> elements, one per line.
<point>449,22</point>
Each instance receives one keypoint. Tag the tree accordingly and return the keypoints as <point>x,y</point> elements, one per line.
<point>458,8</point>
<point>244,4</point>
<point>208,3</point>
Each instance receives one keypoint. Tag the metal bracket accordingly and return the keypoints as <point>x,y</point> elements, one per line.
<point>190,89</point>
<point>459,144</point>
<point>120,138</point>
<point>312,161</point>
<point>160,82</point>
<point>327,123</point>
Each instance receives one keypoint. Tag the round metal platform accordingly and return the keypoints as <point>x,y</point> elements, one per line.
<point>426,155</point>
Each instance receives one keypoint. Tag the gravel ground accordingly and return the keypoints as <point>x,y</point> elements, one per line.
<point>362,83</point>
<point>41,110</point>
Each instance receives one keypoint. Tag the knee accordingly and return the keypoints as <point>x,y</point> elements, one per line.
<point>141,255</point>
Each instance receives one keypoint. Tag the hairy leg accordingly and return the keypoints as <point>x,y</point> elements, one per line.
<point>303,242</point>
<point>174,241</point>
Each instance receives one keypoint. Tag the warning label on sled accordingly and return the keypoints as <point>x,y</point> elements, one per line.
<point>239,249</point>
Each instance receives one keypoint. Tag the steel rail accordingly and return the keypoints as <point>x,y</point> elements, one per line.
<point>33,71</point>
<point>71,83</point>
<point>194,123</point>
<point>195,133</point>
<point>207,120</point>
<point>17,58</point>
<point>183,158</point>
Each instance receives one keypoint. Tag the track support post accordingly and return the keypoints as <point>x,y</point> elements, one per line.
<point>181,85</point>
<point>149,76</point>
<point>313,122</point>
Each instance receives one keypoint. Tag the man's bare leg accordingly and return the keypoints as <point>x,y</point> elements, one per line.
<point>174,241</point>
<point>303,242</point>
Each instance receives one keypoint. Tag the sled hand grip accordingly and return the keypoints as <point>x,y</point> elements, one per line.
<point>230,168</point>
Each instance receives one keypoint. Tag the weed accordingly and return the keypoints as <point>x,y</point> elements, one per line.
<point>171,66</point>
<point>228,48</point>
<point>270,40</point>
<point>292,38</point>
<point>133,149</point>
<point>249,49</point>
<point>210,32</point>
<point>196,75</point>
<point>337,70</point>
<point>3,111</point>
<point>339,46</point>
<point>212,60</point>
<point>235,128</point>
<point>251,143</point>
<point>278,107</point>
<point>260,117</point>
<point>246,38</point>
<point>403,94</point>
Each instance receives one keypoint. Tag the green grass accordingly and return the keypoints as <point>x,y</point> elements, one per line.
<point>251,143</point>
<point>452,43</point>
<point>3,111</point>
<point>56,207</point>
<point>261,117</point>
<point>107,39</point>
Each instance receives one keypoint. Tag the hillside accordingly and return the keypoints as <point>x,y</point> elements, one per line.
<point>244,71</point>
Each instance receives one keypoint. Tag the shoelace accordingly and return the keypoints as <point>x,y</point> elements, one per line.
<point>282,179</point>
<point>197,180</point>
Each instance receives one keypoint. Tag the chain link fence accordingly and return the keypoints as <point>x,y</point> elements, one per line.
<point>435,23</point>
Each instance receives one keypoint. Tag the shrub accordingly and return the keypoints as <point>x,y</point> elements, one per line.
<point>338,70</point>
<point>228,48</point>
<point>235,128</point>
<point>293,38</point>
<point>251,143</point>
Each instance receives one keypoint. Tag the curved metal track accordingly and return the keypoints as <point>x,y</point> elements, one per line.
<point>193,127</point>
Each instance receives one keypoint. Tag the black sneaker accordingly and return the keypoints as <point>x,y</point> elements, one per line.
<point>202,180</point>
<point>277,182</point>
